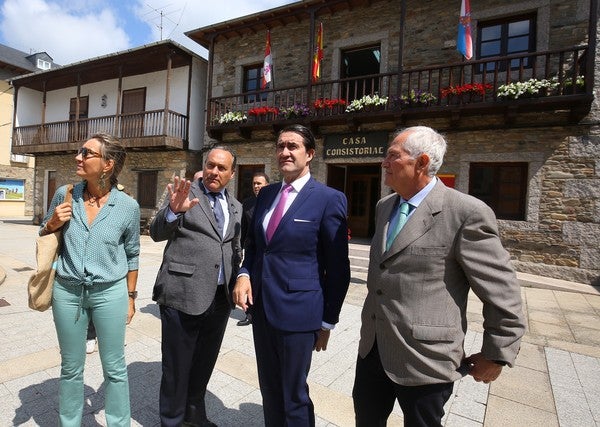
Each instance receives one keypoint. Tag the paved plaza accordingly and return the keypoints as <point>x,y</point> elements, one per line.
<point>555,382</point>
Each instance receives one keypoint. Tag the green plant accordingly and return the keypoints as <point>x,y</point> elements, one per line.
<point>232,117</point>
<point>294,111</point>
<point>416,97</point>
<point>579,81</point>
<point>530,87</point>
<point>367,100</point>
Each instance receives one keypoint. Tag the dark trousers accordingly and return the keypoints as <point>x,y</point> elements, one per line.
<point>283,360</point>
<point>190,346</point>
<point>374,394</point>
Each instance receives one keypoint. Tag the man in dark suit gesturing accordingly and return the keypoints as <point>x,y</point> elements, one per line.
<point>201,221</point>
<point>431,246</point>
<point>294,277</point>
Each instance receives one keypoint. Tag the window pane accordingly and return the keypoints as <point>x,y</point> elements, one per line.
<point>252,85</point>
<point>518,44</point>
<point>490,49</point>
<point>518,28</point>
<point>502,186</point>
<point>491,33</point>
<point>251,73</point>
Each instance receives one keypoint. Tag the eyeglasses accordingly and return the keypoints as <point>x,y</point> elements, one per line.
<point>86,153</point>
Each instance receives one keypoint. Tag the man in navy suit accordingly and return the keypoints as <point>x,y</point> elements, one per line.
<point>294,278</point>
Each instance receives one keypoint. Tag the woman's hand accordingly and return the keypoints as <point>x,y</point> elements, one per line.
<point>62,213</point>
<point>131,311</point>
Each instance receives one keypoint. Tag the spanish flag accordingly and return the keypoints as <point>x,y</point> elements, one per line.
<point>316,66</point>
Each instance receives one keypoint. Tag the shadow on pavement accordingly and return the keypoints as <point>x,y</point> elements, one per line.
<point>39,402</point>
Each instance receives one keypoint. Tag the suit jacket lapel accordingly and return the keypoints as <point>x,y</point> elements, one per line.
<point>419,222</point>
<point>298,201</point>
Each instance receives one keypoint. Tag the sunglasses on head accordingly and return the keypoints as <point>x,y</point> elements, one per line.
<point>86,153</point>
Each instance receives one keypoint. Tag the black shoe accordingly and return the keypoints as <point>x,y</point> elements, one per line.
<point>247,321</point>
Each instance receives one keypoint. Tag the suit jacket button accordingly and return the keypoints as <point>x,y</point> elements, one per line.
<point>373,316</point>
<point>379,292</point>
<point>382,266</point>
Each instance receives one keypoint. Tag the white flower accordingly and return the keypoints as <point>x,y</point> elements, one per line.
<point>530,87</point>
<point>359,104</point>
<point>232,116</point>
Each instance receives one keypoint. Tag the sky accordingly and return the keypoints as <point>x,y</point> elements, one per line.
<point>75,30</point>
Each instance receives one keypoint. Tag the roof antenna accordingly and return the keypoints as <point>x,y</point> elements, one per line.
<point>162,15</point>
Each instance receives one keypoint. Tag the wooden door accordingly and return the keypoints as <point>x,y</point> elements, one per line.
<point>132,119</point>
<point>82,129</point>
<point>359,194</point>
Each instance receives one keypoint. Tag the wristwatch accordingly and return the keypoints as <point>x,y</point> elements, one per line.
<point>132,294</point>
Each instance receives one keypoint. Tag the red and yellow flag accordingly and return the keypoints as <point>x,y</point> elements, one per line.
<point>316,66</point>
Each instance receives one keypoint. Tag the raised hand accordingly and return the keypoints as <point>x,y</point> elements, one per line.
<point>179,195</point>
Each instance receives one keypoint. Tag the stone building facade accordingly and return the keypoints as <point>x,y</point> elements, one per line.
<point>559,145</point>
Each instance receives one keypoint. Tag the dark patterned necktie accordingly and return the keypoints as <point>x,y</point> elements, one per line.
<point>218,211</point>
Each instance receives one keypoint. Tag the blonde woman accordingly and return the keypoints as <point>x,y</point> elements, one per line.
<point>96,277</point>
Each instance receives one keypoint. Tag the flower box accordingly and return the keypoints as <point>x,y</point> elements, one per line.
<point>263,114</point>
<point>329,107</point>
<point>232,117</point>
<point>295,111</point>
<point>367,103</point>
<point>531,88</point>
<point>464,94</point>
<point>415,98</point>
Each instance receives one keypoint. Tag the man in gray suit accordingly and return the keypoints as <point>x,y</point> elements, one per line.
<point>201,222</point>
<point>414,317</point>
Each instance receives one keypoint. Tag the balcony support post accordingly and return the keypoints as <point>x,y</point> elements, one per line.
<point>167,94</point>
<point>117,124</point>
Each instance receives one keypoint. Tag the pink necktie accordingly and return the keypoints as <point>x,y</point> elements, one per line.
<point>278,212</point>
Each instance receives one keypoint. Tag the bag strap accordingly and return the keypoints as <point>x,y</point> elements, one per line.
<point>69,194</point>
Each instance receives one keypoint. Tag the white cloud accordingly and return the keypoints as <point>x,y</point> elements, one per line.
<point>67,34</point>
<point>75,30</point>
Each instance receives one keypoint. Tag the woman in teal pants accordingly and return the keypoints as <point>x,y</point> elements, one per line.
<point>96,275</point>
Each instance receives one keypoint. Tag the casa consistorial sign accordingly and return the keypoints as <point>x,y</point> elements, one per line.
<point>356,145</point>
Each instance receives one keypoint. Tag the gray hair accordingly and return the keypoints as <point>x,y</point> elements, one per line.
<point>425,140</point>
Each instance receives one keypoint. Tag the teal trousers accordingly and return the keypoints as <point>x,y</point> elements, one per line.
<point>106,305</point>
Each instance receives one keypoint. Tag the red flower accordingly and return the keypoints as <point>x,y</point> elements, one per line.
<point>263,111</point>
<point>322,103</point>
<point>476,88</point>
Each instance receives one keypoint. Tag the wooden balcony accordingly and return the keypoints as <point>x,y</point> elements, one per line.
<point>149,130</point>
<point>564,68</point>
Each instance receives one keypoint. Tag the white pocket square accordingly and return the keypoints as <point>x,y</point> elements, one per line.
<point>301,220</point>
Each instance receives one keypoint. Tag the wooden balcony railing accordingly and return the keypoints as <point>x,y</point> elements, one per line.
<point>403,90</point>
<point>137,125</point>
